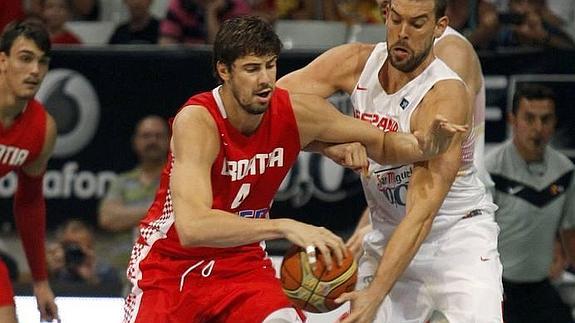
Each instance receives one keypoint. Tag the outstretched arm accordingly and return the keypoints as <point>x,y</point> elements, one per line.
<point>318,120</point>
<point>30,215</point>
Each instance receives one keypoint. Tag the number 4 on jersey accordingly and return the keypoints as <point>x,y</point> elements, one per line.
<point>241,196</point>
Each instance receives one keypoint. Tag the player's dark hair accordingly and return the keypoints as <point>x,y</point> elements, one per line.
<point>531,91</point>
<point>440,8</point>
<point>242,36</point>
<point>30,29</point>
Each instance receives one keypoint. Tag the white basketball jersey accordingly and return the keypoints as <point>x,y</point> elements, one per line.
<point>386,188</point>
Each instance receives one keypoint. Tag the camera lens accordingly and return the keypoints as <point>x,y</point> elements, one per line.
<point>73,255</point>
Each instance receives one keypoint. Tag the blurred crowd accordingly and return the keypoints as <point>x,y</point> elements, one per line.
<point>488,24</point>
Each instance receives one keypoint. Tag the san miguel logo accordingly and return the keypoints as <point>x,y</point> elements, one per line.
<point>393,184</point>
<point>381,121</point>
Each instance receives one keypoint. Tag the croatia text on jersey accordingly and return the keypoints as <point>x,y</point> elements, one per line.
<point>238,169</point>
<point>381,121</point>
<point>13,156</point>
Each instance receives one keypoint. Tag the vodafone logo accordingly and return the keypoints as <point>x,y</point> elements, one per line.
<point>71,99</point>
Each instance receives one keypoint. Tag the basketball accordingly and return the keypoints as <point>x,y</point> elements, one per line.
<point>315,291</point>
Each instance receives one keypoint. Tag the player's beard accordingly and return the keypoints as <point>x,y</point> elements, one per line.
<point>410,63</point>
<point>249,105</point>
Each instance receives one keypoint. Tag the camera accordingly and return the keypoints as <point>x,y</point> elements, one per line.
<point>511,18</point>
<point>74,255</point>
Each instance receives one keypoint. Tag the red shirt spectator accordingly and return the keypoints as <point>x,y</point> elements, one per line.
<point>197,21</point>
<point>10,10</point>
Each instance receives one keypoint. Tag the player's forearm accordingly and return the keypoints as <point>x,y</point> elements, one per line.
<point>220,229</point>
<point>398,253</point>
<point>30,215</point>
<point>429,184</point>
<point>400,148</point>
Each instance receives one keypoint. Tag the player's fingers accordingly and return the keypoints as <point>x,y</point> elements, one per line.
<point>344,298</point>
<point>327,256</point>
<point>311,256</point>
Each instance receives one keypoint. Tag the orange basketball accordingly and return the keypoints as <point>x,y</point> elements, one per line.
<point>315,291</point>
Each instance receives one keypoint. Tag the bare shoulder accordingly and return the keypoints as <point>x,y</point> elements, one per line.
<point>195,134</point>
<point>445,94</point>
<point>447,89</point>
<point>460,56</point>
<point>194,117</point>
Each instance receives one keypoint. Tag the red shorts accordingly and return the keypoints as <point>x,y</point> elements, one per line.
<point>232,289</point>
<point>6,293</point>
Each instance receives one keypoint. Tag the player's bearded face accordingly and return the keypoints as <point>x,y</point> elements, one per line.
<point>410,33</point>
<point>252,82</point>
<point>406,59</point>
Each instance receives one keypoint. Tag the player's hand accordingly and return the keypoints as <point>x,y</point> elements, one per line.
<point>45,301</point>
<point>313,238</point>
<point>364,306</point>
<point>438,137</point>
<point>351,155</point>
<point>354,243</point>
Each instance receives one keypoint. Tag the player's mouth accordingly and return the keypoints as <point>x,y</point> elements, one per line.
<point>400,52</point>
<point>264,95</point>
<point>31,82</point>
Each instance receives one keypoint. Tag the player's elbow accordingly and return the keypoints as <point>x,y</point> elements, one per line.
<point>191,234</point>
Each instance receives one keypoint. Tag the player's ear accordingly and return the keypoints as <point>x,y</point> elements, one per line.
<point>510,118</point>
<point>3,59</point>
<point>223,71</point>
<point>440,26</point>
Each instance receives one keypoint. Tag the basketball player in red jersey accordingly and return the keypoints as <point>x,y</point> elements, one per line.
<point>27,137</point>
<point>200,255</point>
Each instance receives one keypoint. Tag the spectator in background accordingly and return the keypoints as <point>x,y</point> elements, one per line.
<point>307,10</point>
<point>265,9</point>
<point>528,23</point>
<point>197,21</point>
<point>141,28</point>
<point>359,11</point>
<point>475,19</point>
<point>10,10</point>
<point>535,192</point>
<point>130,196</point>
<point>72,259</point>
<point>56,13</point>
<point>86,10</point>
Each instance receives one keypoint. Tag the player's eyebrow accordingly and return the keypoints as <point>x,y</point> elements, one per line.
<point>410,18</point>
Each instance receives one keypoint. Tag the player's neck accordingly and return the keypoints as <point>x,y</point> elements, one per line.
<point>245,122</point>
<point>10,106</point>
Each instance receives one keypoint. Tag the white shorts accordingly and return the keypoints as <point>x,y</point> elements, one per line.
<point>457,273</point>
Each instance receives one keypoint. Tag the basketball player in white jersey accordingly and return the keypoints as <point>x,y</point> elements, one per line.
<point>433,247</point>
<point>458,53</point>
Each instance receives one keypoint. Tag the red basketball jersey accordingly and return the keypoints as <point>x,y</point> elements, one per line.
<point>245,175</point>
<point>22,142</point>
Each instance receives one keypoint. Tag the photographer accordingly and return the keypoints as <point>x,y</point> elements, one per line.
<point>526,25</point>
<point>71,258</point>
